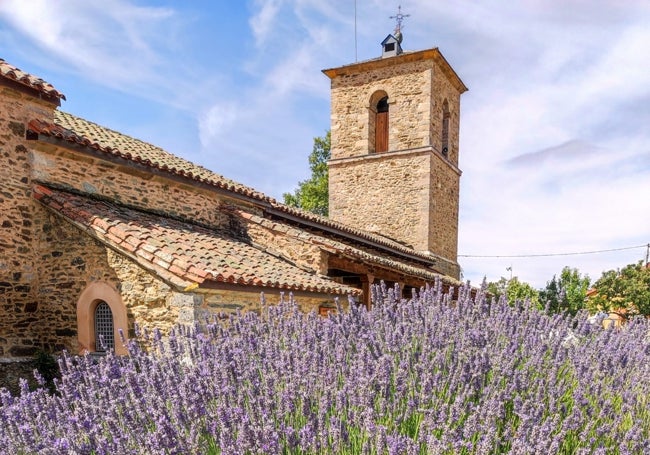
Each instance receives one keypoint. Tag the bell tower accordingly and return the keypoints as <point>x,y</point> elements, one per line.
<point>394,158</point>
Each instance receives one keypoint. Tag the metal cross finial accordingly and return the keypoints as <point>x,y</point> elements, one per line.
<point>399,17</point>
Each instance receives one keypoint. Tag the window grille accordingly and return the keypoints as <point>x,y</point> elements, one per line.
<point>104,338</point>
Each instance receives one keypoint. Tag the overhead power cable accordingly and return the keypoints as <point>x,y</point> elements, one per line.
<point>550,254</point>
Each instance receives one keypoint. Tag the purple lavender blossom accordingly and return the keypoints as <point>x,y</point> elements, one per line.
<point>424,375</point>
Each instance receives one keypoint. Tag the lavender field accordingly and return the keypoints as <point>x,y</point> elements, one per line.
<point>425,376</point>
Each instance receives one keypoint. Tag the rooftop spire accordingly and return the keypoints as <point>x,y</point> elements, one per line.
<point>399,17</point>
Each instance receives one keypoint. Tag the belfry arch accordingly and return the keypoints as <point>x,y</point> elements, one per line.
<point>379,122</point>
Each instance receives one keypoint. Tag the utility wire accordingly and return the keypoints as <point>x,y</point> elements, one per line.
<point>356,59</point>
<point>551,254</point>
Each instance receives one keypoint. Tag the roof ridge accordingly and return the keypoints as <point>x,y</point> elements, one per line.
<point>64,128</point>
<point>76,117</point>
<point>70,128</point>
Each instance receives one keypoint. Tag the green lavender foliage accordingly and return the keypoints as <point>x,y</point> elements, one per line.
<point>433,374</point>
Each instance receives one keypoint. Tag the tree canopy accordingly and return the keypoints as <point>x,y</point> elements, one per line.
<point>625,290</point>
<point>312,194</point>
<point>566,293</point>
<point>513,290</point>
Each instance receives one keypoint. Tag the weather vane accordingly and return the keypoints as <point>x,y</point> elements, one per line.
<point>399,17</point>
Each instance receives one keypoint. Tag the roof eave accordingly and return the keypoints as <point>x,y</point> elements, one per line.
<point>348,235</point>
<point>122,160</point>
<point>52,98</point>
<point>405,57</point>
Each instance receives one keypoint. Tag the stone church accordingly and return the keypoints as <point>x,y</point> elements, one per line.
<point>100,231</point>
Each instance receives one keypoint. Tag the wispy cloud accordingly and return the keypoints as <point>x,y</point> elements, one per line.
<point>555,158</point>
<point>554,137</point>
<point>293,39</point>
<point>114,43</point>
<point>264,19</point>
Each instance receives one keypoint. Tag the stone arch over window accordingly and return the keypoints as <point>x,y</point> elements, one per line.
<point>379,122</point>
<point>445,128</point>
<point>100,309</point>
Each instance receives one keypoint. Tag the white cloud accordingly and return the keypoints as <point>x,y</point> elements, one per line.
<point>263,21</point>
<point>554,143</point>
<point>270,124</point>
<point>115,43</point>
<point>216,121</point>
<point>561,92</point>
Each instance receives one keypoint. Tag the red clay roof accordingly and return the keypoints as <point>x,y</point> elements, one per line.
<point>376,239</point>
<point>78,131</point>
<point>82,132</point>
<point>182,253</point>
<point>367,255</point>
<point>11,72</point>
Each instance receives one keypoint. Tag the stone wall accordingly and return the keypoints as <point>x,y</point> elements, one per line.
<point>19,296</point>
<point>232,301</point>
<point>68,261</point>
<point>443,89</point>
<point>284,241</point>
<point>153,304</point>
<point>443,209</point>
<point>13,370</point>
<point>364,192</point>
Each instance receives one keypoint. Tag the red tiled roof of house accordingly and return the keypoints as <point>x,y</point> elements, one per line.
<point>377,239</point>
<point>182,253</point>
<point>78,131</point>
<point>11,72</point>
<point>367,255</point>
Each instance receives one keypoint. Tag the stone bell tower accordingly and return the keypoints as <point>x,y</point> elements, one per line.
<point>394,158</point>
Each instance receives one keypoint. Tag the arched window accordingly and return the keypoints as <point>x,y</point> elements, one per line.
<point>378,122</point>
<point>104,328</point>
<point>381,126</point>
<point>445,128</point>
<point>101,315</point>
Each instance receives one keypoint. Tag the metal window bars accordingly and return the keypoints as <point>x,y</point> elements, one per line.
<point>104,334</point>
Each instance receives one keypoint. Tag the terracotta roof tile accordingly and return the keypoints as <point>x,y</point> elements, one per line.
<point>11,72</point>
<point>82,132</point>
<point>183,253</point>
<point>344,228</point>
<point>367,255</point>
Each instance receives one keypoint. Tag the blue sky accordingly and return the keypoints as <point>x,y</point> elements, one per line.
<point>555,142</point>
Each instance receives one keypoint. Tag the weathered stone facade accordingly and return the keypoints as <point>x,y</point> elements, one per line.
<point>90,217</point>
<point>426,215</point>
<point>46,263</point>
<point>409,193</point>
<point>22,313</point>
